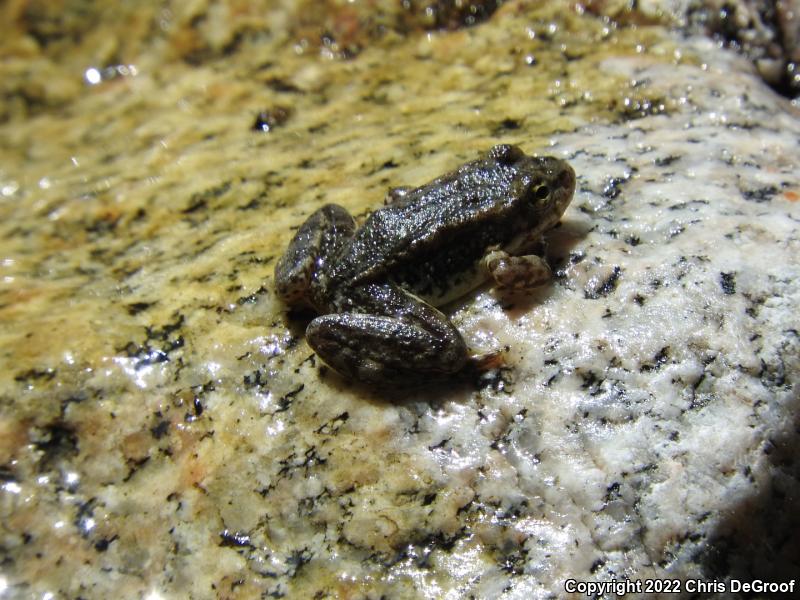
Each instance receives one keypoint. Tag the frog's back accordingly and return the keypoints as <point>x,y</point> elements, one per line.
<point>430,241</point>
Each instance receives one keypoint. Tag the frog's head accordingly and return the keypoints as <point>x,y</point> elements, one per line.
<point>543,188</point>
<point>545,184</point>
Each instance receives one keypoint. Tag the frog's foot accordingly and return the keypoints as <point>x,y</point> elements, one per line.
<point>380,349</point>
<point>412,343</point>
<point>514,273</point>
<point>321,236</point>
<point>488,361</point>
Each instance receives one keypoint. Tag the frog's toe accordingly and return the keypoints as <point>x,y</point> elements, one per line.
<point>517,272</point>
<point>292,282</point>
<point>489,360</point>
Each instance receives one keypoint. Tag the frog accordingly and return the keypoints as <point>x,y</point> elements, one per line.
<point>379,289</point>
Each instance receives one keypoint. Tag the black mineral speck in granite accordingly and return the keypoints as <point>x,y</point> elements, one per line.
<point>33,375</point>
<point>85,518</point>
<point>597,565</point>
<point>279,84</point>
<point>332,427</point>
<point>613,186</point>
<point>446,14</point>
<point>631,107</point>
<point>288,398</point>
<point>762,194</point>
<point>727,282</point>
<point>56,441</point>
<point>270,119</point>
<point>160,429</point>
<point>665,161</point>
<point>604,287</point>
<point>137,307</point>
<point>103,544</point>
<point>199,202</point>
<point>234,539</point>
<point>506,125</point>
<point>657,362</point>
<point>159,344</point>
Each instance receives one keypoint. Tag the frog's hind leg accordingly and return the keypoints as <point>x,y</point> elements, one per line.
<point>320,237</point>
<point>396,339</point>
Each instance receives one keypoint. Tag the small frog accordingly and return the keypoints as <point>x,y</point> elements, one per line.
<point>376,286</point>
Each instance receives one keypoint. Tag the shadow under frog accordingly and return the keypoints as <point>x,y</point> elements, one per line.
<point>376,287</point>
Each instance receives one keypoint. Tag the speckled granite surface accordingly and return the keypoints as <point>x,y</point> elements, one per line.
<point>165,432</point>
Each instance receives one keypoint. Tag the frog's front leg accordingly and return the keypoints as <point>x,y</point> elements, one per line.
<point>517,272</point>
<point>319,239</point>
<point>393,337</point>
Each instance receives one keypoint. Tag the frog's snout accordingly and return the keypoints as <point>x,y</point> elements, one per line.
<point>566,180</point>
<point>563,178</point>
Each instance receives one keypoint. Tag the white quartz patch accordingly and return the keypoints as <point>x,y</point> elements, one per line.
<point>650,386</point>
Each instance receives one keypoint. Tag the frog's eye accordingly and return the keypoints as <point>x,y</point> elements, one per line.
<point>533,191</point>
<point>540,192</point>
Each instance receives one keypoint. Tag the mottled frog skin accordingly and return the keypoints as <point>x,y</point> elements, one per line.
<point>376,286</point>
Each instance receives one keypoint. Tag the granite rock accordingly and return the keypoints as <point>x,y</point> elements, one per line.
<point>165,431</point>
